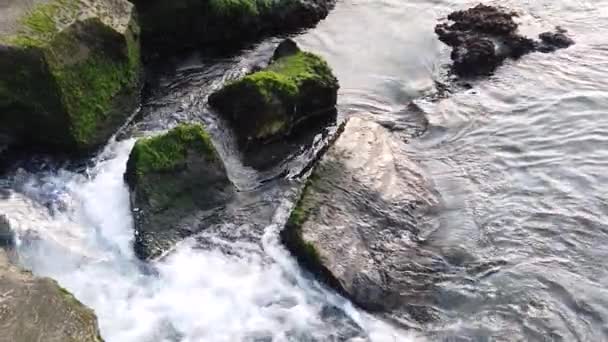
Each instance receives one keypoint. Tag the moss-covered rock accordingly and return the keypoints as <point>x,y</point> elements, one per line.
<point>296,87</point>
<point>175,178</point>
<point>167,25</point>
<point>69,71</point>
<point>38,309</point>
<point>357,222</point>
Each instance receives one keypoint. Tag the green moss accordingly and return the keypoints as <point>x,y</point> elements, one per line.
<point>312,253</point>
<point>170,150</point>
<point>299,215</point>
<point>271,84</point>
<point>304,66</point>
<point>284,77</point>
<point>305,204</point>
<point>81,84</point>
<point>40,25</point>
<point>90,86</point>
<point>272,98</point>
<point>234,7</point>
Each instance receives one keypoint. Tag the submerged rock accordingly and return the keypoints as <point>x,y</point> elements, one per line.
<point>175,179</point>
<point>482,37</point>
<point>69,71</point>
<point>294,90</point>
<point>170,25</point>
<point>38,309</point>
<point>357,221</point>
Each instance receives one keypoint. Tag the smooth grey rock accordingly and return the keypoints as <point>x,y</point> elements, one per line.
<point>356,225</point>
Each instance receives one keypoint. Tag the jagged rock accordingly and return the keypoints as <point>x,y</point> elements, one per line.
<point>170,25</point>
<point>69,71</point>
<point>175,179</point>
<point>357,221</point>
<point>482,37</point>
<point>38,309</point>
<point>294,90</point>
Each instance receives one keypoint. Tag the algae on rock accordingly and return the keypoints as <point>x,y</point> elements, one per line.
<point>69,71</point>
<point>357,221</point>
<point>174,178</point>
<point>296,87</point>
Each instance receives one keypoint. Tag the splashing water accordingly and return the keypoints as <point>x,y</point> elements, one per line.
<point>257,293</point>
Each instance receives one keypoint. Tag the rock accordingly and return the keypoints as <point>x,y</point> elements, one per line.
<point>357,221</point>
<point>175,178</point>
<point>69,71</point>
<point>7,236</point>
<point>475,56</point>
<point>551,41</point>
<point>170,25</point>
<point>482,37</point>
<point>295,89</point>
<point>38,309</point>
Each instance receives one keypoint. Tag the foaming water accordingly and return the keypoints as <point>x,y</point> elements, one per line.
<point>254,293</point>
<point>519,161</point>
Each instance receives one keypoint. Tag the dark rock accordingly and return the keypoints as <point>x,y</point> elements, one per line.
<point>69,71</point>
<point>357,221</point>
<point>551,41</point>
<point>7,236</point>
<point>475,56</point>
<point>170,25</point>
<point>286,48</point>
<point>175,179</point>
<point>484,36</point>
<point>297,88</point>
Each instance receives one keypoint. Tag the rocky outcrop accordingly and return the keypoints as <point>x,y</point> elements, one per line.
<point>69,71</point>
<point>175,179</point>
<point>296,88</point>
<point>484,36</point>
<point>167,25</point>
<point>38,309</point>
<point>357,222</point>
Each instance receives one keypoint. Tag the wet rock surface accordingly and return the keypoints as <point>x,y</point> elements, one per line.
<point>296,92</point>
<point>177,180</point>
<point>38,309</point>
<point>7,237</point>
<point>356,225</point>
<point>482,37</point>
<point>69,71</point>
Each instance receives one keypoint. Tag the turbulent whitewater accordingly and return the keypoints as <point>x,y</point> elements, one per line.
<point>519,161</point>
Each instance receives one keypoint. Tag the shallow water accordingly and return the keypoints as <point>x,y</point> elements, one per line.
<point>518,161</point>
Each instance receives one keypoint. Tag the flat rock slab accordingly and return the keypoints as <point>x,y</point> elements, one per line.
<point>357,222</point>
<point>38,309</point>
